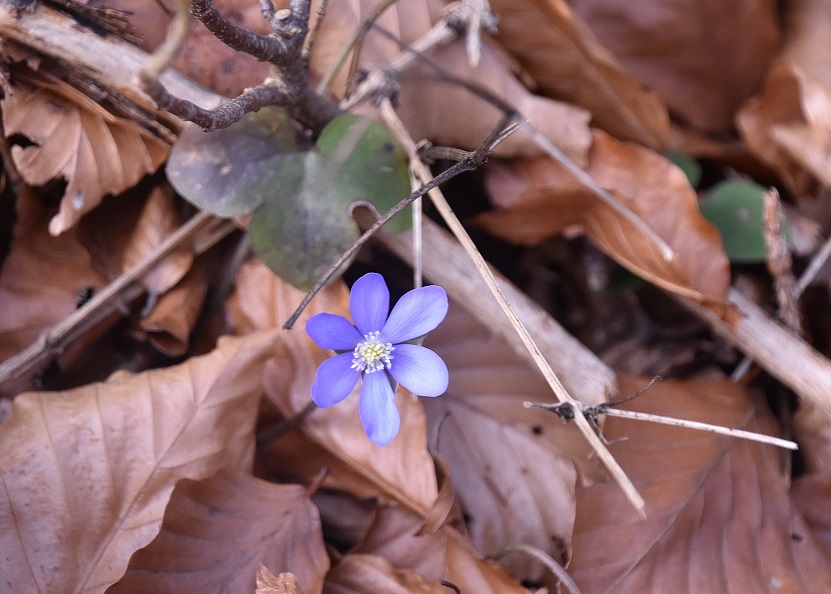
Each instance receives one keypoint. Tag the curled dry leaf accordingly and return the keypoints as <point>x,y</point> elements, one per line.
<point>217,531</point>
<point>539,198</point>
<point>402,471</point>
<point>442,111</point>
<point>788,125</point>
<point>370,574</point>
<point>268,583</point>
<point>513,468</point>
<point>689,52</point>
<point>88,472</point>
<point>569,64</point>
<point>76,139</point>
<point>719,518</point>
<point>443,555</point>
<point>42,277</point>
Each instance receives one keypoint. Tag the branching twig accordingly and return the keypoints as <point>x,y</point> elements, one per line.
<point>567,413</point>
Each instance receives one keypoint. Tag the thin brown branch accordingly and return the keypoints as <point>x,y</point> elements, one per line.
<point>263,47</point>
<point>544,558</point>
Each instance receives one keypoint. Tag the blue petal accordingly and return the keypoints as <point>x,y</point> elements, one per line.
<point>334,380</point>
<point>377,408</point>
<point>369,302</point>
<point>415,314</point>
<point>418,369</point>
<point>332,332</point>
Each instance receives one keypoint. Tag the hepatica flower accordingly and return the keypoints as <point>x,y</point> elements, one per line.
<point>377,348</point>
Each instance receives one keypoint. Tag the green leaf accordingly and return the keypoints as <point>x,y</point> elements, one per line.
<point>305,225</point>
<point>223,171</point>
<point>737,209</point>
<point>690,167</point>
<point>372,165</point>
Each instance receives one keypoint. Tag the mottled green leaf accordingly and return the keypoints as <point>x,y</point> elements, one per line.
<point>305,224</point>
<point>737,208</point>
<point>223,172</point>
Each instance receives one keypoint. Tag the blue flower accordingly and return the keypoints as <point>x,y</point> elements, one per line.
<point>376,348</point>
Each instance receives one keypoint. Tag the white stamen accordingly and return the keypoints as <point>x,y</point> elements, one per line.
<point>371,355</point>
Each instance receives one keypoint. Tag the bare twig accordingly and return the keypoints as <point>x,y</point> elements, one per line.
<point>176,35</point>
<point>558,570</point>
<point>593,412</point>
<point>398,129</point>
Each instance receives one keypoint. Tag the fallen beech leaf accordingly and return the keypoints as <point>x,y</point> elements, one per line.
<point>268,583</point>
<point>218,530</point>
<point>689,52</point>
<point>42,277</point>
<point>158,219</point>
<point>370,574</point>
<point>569,64</point>
<point>88,472</point>
<point>438,110</point>
<point>444,555</point>
<point>512,467</point>
<point>76,139</point>
<point>788,125</point>
<point>539,198</point>
<point>718,514</point>
<point>173,317</point>
<point>402,471</point>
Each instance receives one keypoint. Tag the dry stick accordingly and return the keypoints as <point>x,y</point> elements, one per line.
<point>775,348</point>
<point>53,340</point>
<point>603,409</point>
<point>740,433</point>
<point>541,556</point>
<point>400,132</point>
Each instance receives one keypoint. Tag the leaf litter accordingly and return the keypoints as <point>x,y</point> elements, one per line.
<point>150,480</point>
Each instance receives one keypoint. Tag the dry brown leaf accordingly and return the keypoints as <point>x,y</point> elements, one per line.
<point>444,112</point>
<point>173,317</point>
<point>539,198</point>
<point>42,277</point>
<point>268,583</point>
<point>217,531</point>
<point>370,574</point>
<point>788,126</point>
<point>690,52</point>
<point>158,219</point>
<point>88,472</point>
<point>719,515</point>
<point>444,555</point>
<point>402,471</point>
<point>512,467</point>
<point>76,139</point>
<point>569,64</point>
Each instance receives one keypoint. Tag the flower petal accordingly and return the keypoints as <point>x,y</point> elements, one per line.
<point>419,369</point>
<point>415,314</point>
<point>333,332</point>
<point>334,380</point>
<point>369,302</point>
<point>377,408</point>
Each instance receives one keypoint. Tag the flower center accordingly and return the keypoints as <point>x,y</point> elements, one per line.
<point>371,355</point>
